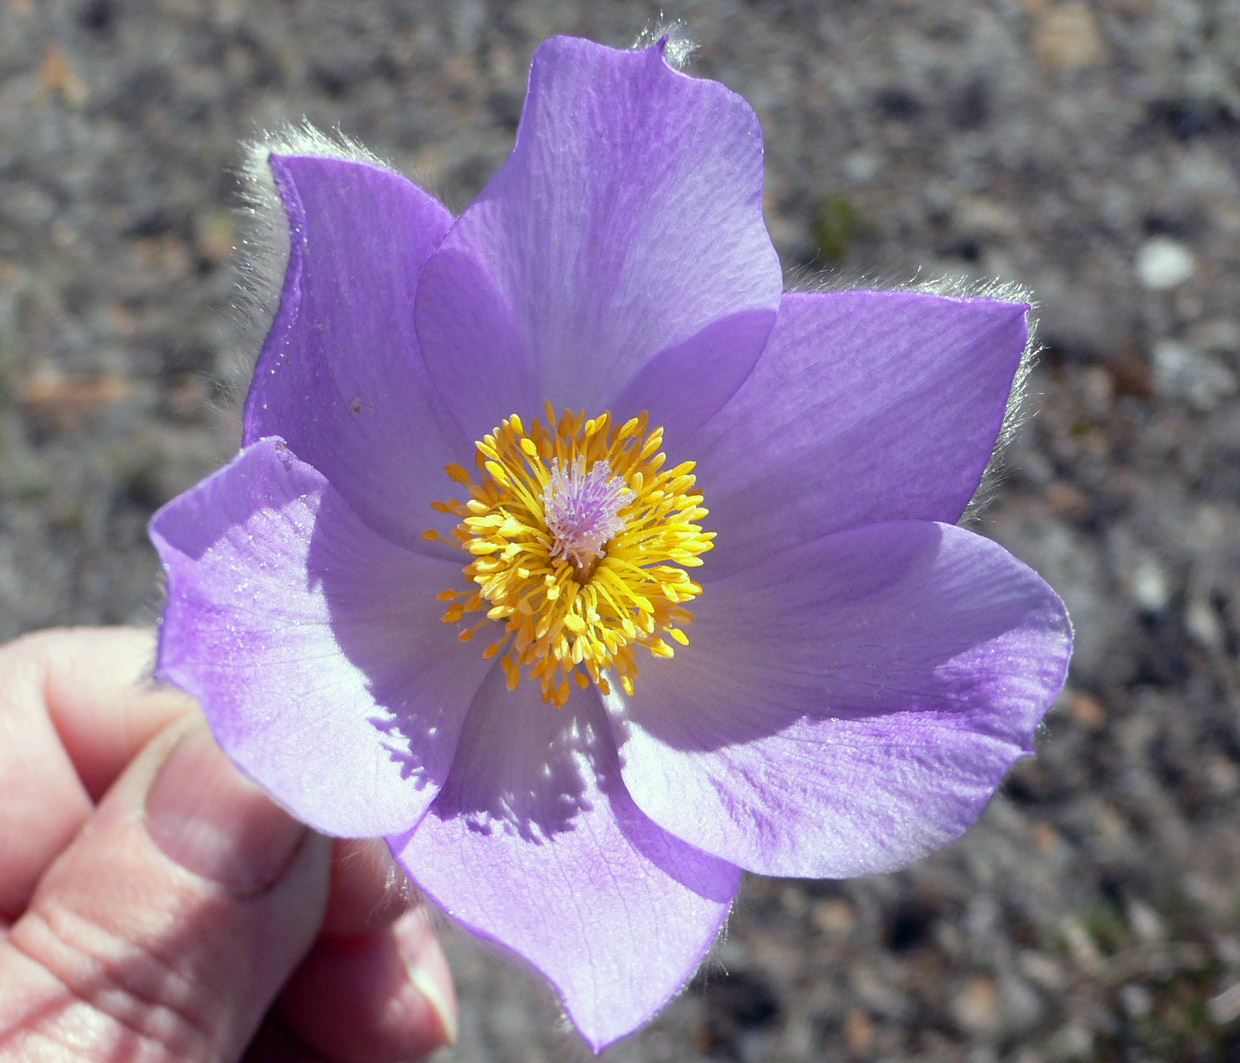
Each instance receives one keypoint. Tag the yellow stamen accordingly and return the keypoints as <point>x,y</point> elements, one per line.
<point>580,564</point>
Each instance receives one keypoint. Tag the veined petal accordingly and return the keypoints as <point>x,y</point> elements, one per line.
<point>848,705</point>
<point>313,643</point>
<point>535,843</point>
<point>623,229</point>
<point>865,407</point>
<point>340,377</point>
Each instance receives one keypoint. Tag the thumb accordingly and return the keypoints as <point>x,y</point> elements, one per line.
<point>167,927</point>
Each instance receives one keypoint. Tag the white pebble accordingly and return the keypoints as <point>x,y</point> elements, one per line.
<point>1164,264</point>
<point>1149,586</point>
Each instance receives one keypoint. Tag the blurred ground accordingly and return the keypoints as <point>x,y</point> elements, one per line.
<point>1088,150</point>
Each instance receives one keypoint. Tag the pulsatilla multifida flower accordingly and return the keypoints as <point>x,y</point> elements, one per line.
<point>575,558</point>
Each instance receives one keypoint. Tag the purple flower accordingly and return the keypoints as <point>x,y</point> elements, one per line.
<point>784,658</point>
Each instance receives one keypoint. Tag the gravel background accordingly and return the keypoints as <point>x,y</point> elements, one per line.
<point>1090,151</point>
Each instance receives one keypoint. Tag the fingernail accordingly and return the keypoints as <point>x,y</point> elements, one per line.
<point>431,988</point>
<point>429,972</point>
<point>204,815</point>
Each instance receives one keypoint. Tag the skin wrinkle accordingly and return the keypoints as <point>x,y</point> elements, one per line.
<point>106,979</point>
<point>125,938</point>
<point>56,718</point>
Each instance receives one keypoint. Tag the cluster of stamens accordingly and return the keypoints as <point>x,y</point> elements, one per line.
<point>579,540</point>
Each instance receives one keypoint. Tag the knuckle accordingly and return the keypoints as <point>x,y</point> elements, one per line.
<point>103,996</point>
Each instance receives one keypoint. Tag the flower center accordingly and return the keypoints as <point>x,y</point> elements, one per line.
<point>579,540</point>
<point>582,511</point>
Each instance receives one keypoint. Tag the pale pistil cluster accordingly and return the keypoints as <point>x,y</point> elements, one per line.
<point>580,540</point>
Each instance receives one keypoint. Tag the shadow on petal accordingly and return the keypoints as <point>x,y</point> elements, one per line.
<point>386,621</point>
<point>909,620</point>
<point>523,766</point>
<point>854,704</point>
<point>683,386</point>
<point>535,843</point>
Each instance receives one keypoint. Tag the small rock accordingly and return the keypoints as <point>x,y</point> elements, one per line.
<point>860,167</point>
<point>1150,586</point>
<point>1223,777</point>
<point>1065,501</point>
<point>1066,37</point>
<point>1145,922</point>
<point>1019,1005</point>
<point>833,916</point>
<point>1041,970</point>
<point>1183,372</point>
<point>1074,1041</point>
<point>975,1008</point>
<point>1163,264</point>
<point>1224,1009</point>
<point>858,1031</point>
<point>1045,836</point>
<point>1216,334</point>
<point>1086,711</point>
<point>1136,1001</point>
<point>59,79</point>
<point>1202,622</point>
<point>48,392</point>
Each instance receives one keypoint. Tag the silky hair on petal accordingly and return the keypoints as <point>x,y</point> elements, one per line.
<point>262,250</point>
<point>1017,412</point>
<point>680,46</point>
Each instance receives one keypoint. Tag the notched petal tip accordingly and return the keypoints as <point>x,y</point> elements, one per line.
<point>672,39</point>
<point>304,139</point>
<point>670,169</point>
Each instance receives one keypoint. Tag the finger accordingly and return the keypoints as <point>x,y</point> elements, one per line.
<point>42,800</point>
<point>383,998</point>
<point>100,698</point>
<point>369,891</point>
<point>71,716</point>
<point>166,929</point>
<point>274,1043</point>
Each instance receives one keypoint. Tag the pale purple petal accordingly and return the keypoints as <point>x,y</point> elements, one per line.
<point>608,251</point>
<point>846,706</point>
<point>340,377</point>
<point>865,407</point>
<point>535,843</point>
<point>313,644</point>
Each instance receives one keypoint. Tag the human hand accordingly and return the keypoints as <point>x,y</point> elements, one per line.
<point>155,906</point>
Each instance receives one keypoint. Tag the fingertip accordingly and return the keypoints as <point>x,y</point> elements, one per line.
<point>429,972</point>
<point>369,891</point>
<point>100,696</point>
<point>74,711</point>
<point>384,998</point>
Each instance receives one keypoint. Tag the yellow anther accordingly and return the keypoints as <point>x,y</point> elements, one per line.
<point>578,540</point>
